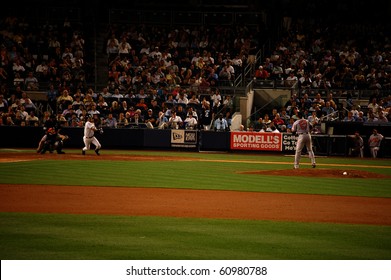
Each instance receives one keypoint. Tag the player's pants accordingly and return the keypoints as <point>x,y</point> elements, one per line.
<point>357,151</point>
<point>374,151</point>
<point>88,141</point>
<point>304,140</point>
<point>41,143</point>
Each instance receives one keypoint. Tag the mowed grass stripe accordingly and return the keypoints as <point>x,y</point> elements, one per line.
<point>183,174</point>
<point>48,236</point>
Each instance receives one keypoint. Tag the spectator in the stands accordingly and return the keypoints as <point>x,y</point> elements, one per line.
<point>373,105</point>
<point>94,110</point>
<point>3,104</point>
<point>77,99</point>
<point>67,112</point>
<point>382,116</point>
<point>74,121</point>
<point>279,122</point>
<point>193,99</point>
<point>150,118</point>
<point>88,100</point>
<point>225,76</point>
<point>220,124</point>
<point>261,74</point>
<point>124,48</point>
<point>142,94</point>
<point>18,80</point>
<point>105,93</point>
<point>161,121</point>
<point>122,120</point>
<point>333,102</point>
<point>27,102</point>
<point>190,122</point>
<point>175,122</point>
<point>371,117</point>
<point>110,121</point>
<point>64,100</point>
<point>182,98</point>
<point>319,100</point>
<point>31,82</point>
<point>23,113</point>
<point>102,106</point>
<point>361,117</point>
<point>327,111</point>
<point>41,67</point>
<point>292,79</point>
<point>32,119</point>
<point>117,94</point>
<point>18,67</point>
<point>67,53</point>
<point>349,117</point>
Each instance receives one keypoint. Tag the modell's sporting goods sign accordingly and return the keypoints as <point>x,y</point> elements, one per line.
<point>262,141</point>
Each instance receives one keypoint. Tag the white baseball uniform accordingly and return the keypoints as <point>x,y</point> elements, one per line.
<point>302,128</point>
<point>89,138</point>
<point>374,142</point>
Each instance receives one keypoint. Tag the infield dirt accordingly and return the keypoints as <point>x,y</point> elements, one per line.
<point>195,203</point>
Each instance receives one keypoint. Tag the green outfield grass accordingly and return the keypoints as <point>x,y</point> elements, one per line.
<point>44,236</point>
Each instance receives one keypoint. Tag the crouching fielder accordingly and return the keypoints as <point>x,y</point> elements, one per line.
<point>89,138</point>
<point>302,128</point>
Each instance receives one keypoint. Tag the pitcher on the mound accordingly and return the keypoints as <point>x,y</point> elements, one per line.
<point>302,127</point>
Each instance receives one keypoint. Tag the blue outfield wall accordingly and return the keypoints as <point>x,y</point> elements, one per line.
<point>134,138</point>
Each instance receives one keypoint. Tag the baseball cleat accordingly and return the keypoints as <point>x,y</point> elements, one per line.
<point>313,165</point>
<point>83,153</point>
<point>97,152</point>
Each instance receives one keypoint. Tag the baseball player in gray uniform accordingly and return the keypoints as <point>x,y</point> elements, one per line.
<point>302,128</point>
<point>89,138</point>
<point>374,142</point>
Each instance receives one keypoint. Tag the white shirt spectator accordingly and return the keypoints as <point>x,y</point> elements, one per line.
<point>190,122</point>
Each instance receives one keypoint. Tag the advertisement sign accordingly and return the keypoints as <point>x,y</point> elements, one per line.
<point>264,141</point>
<point>181,138</point>
<point>289,142</point>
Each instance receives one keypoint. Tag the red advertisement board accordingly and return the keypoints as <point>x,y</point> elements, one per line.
<point>261,141</point>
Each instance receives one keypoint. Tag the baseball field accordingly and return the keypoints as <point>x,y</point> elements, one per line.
<point>176,205</point>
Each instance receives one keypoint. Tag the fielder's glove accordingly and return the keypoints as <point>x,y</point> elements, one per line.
<point>101,130</point>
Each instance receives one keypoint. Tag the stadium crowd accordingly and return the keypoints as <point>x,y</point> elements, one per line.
<point>153,71</point>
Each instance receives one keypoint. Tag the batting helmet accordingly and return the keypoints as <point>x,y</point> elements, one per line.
<point>51,130</point>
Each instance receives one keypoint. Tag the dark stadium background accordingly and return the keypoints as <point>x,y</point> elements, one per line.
<point>352,10</point>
